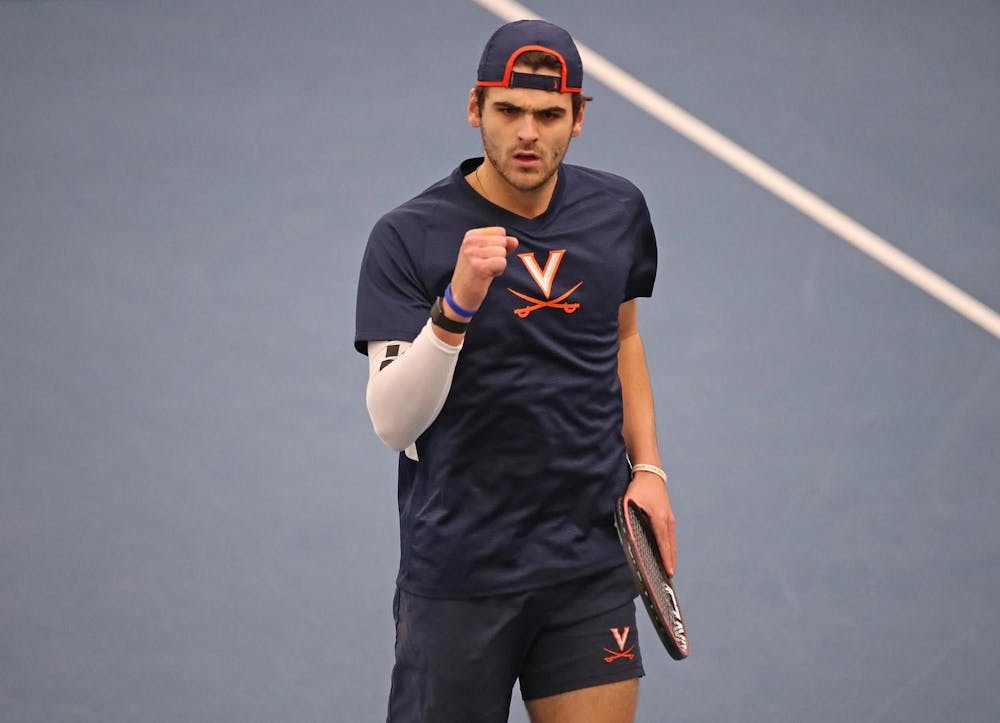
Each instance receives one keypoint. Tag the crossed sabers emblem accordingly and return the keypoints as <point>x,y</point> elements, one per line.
<point>535,304</point>
<point>614,655</point>
<point>544,278</point>
<point>621,638</point>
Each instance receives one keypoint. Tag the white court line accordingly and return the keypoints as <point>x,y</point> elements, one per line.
<point>774,181</point>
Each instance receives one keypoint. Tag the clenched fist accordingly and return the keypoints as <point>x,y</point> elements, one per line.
<point>482,257</point>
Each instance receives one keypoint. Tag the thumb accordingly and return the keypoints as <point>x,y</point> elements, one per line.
<point>512,243</point>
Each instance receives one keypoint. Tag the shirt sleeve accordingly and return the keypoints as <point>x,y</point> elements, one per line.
<point>642,275</point>
<point>392,301</point>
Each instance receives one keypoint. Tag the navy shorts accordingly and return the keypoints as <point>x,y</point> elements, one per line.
<point>457,660</point>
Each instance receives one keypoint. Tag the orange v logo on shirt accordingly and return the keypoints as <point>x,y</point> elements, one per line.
<point>544,277</point>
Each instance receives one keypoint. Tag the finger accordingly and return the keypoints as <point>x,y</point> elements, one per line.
<point>494,266</point>
<point>672,569</point>
<point>668,548</point>
<point>484,246</point>
<point>489,245</point>
<point>512,243</point>
<point>487,231</point>
<point>483,261</point>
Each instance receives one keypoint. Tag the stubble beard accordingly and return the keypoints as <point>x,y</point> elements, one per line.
<point>524,184</point>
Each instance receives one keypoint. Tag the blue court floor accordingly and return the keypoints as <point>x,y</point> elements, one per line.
<point>196,520</point>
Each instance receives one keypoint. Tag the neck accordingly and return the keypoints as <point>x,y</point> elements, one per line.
<point>489,184</point>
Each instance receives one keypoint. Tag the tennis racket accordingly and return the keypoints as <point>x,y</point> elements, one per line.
<point>635,530</point>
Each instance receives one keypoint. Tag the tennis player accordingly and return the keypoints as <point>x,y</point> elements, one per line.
<point>498,312</point>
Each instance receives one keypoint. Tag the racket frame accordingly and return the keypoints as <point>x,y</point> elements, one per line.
<point>668,621</point>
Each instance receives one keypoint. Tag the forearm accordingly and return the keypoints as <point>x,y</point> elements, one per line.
<point>648,488</point>
<point>638,415</point>
<point>406,395</point>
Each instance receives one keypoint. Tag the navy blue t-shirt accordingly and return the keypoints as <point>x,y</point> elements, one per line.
<point>517,476</point>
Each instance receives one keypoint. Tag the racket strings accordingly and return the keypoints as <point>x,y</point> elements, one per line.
<point>659,583</point>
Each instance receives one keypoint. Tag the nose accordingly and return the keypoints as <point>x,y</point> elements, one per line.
<point>527,132</point>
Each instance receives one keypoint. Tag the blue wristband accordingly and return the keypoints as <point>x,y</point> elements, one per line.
<point>455,307</point>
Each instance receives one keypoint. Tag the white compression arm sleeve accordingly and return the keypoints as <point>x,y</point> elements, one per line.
<point>406,391</point>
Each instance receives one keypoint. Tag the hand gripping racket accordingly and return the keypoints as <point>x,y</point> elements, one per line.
<point>635,530</point>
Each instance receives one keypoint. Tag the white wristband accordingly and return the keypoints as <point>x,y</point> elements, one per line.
<point>650,468</point>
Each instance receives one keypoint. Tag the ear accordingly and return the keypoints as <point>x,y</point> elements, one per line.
<point>473,110</point>
<point>578,123</point>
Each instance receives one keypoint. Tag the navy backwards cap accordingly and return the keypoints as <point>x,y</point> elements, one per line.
<point>496,67</point>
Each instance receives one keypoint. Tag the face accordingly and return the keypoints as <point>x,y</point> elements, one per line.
<point>526,132</point>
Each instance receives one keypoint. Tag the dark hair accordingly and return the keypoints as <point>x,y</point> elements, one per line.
<point>536,59</point>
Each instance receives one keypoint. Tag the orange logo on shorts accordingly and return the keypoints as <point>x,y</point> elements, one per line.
<point>621,637</point>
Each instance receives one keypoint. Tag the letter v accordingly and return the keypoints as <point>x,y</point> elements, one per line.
<point>621,637</point>
<point>543,277</point>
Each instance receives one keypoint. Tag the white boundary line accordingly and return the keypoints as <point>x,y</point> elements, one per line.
<point>759,172</point>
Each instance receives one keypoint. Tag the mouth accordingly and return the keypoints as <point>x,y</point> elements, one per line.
<point>527,159</point>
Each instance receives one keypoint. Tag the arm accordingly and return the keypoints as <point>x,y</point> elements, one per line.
<point>406,392</point>
<point>407,385</point>
<point>639,431</point>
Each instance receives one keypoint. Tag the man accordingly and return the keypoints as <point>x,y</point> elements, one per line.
<point>498,312</point>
